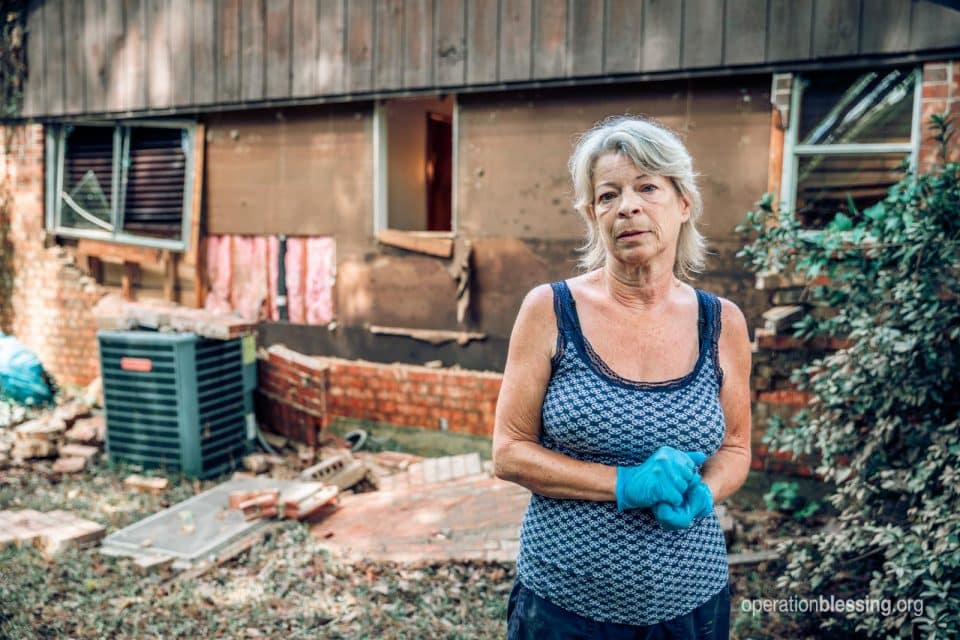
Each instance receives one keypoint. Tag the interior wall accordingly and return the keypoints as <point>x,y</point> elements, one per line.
<point>513,181</point>
<point>406,159</point>
<point>299,171</point>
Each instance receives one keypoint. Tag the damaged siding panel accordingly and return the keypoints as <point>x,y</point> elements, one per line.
<point>304,171</point>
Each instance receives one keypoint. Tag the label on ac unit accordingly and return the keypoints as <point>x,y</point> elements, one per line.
<point>251,426</point>
<point>249,345</point>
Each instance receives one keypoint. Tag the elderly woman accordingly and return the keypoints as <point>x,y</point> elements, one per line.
<point>625,409</point>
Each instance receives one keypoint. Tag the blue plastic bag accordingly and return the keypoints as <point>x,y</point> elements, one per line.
<point>22,378</point>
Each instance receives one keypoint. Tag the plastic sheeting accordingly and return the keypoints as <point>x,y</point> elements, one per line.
<point>21,375</point>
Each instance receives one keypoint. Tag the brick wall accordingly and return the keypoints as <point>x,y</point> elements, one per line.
<point>398,394</point>
<point>941,92</point>
<point>776,352</point>
<point>45,299</point>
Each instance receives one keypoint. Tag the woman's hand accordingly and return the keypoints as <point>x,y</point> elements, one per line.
<point>663,478</point>
<point>697,503</point>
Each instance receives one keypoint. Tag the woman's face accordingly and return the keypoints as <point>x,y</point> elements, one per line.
<point>639,216</point>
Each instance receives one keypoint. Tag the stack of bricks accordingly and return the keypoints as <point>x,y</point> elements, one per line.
<point>312,390</point>
<point>51,532</point>
<point>291,396</point>
<point>45,298</point>
<point>941,93</point>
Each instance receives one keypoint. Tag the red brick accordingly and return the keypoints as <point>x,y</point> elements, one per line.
<point>935,90</point>
<point>784,396</point>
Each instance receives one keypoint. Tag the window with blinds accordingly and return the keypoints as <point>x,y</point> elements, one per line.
<point>123,182</point>
<point>852,135</point>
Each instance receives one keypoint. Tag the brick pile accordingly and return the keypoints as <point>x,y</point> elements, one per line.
<point>51,532</point>
<point>70,433</point>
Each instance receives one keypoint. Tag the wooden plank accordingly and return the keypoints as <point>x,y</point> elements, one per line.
<point>118,253</point>
<point>662,34</point>
<point>193,256</point>
<point>585,54</point>
<point>836,28</point>
<point>228,50</point>
<point>332,32</point>
<point>388,51</point>
<point>303,49</point>
<point>204,52</point>
<point>482,43</point>
<point>934,25</point>
<point>418,242</point>
<point>745,32</point>
<point>550,39</point>
<point>516,34</point>
<point>159,76</point>
<point>113,66</point>
<point>73,49</point>
<point>135,59</point>
<point>94,59</point>
<point>449,44</point>
<point>885,26</point>
<point>129,280</point>
<point>33,97</point>
<point>252,50</point>
<point>790,28</point>
<point>360,45</point>
<point>703,24</point>
<point>417,43</point>
<point>54,67</point>
<point>624,20</point>
<point>278,49</point>
<point>170,281</point>
<point>180,38</point>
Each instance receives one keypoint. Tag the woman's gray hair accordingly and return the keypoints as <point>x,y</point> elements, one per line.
<point>656,151</point>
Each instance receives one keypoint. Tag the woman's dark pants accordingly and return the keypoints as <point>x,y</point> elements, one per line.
<point>529,616</point>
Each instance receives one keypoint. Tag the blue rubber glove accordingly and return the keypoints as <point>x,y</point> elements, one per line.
<point>663,477</point>
<point>697,503</point>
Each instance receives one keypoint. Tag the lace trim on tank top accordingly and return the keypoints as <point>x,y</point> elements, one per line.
<point>601,367</point>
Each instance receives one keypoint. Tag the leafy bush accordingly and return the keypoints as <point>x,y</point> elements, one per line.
<point>884,415</point>
<point>784,497</point>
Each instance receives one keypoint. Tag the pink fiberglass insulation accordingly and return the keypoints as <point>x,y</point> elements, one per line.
<point>218,260</point>
<point>321,272</point>
<point>273,248</point>
<point>248,294</point>
<point>295,265</point>
<point>243,273</point>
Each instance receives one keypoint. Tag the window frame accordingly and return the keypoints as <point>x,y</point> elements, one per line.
<point>56,156</point>
<point>381,179</point>
<point>793,151</point>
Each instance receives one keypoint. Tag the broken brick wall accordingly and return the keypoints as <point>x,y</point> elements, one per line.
<point>299,395</point>
<point>45,299</point>
<point>776,352</point>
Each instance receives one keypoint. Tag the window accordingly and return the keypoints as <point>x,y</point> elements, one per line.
<point>128,183</point>
<point>414,165</point>
<point>850,136</point>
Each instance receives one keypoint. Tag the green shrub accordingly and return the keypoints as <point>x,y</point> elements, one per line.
<point>884,415</point>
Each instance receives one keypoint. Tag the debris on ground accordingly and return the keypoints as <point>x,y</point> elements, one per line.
<point>154,485</point>
<point>50,532</point>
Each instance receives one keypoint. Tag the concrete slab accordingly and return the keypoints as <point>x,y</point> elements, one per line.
<point>469,518</point>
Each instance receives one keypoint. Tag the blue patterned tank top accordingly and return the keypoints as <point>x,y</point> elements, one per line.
<point>586,556</point>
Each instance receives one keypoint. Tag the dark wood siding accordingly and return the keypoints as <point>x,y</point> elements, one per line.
<point>106,56</point>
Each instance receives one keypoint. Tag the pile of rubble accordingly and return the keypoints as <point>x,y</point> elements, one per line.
<point>71,435</point>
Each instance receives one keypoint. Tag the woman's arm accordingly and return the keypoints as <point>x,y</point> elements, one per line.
<point>517,453</point>
<point>725,472</point>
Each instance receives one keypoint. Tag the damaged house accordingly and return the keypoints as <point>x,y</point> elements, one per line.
<point>382,182</point>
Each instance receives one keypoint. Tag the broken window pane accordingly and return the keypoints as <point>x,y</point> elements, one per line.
<point>87,179</point>
<point>871,107</point>
<point>156,177</point>
<point>827,184</point>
